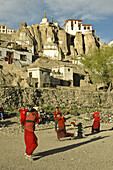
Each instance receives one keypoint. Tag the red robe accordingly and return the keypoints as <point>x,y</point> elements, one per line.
<point>22,116</point>
<point>56,113</point>
<point>61,132</point>
<point>29,136</point>
<point>96,123</point>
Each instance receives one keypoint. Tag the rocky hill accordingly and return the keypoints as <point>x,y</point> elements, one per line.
<point>10,75</point>
<point>50,36</point>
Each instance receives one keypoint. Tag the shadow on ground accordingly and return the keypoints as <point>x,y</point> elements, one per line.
<point>7,123</point>
<point>63,149</point>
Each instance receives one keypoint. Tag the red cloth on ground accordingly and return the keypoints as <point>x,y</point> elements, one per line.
<point>30,141</point>
<point>61,133</point>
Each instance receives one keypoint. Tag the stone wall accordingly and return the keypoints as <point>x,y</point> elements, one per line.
<point>15,97</point>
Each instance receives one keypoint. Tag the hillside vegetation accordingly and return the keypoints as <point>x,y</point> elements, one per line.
<point>100,65</point>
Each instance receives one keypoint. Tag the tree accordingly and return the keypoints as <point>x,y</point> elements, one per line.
<point>100,65</point>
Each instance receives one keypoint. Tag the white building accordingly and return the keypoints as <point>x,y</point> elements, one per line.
<point>63,72</point>
<point>10,31</point>
<point>72,26</point>
<point>17,57</point>
<point>50,49</point>
<point>39,77</point>
<point>3,29</point>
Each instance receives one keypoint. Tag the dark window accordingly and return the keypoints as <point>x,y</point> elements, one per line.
<point>79,26</point>
<point>68,69</point>
<point>36,85</point>
<point>72,25</point>
<point>84,28</point>
<point>0,53</point>
<point>30,74</point>
<point>23,57</point>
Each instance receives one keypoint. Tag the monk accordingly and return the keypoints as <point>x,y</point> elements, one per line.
<point>22,117</point>
<point>54,115</point>
<point>29,135</point>
<point>61,132</point>
<point>96,122</point>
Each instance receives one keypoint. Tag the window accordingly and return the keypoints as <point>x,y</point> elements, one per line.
<point>88,28</point>
<point>0,53</point>
<point>36,85</point>
<point>23,57</point>
<point>30,74</point>
<point>72,25</point>
<point>3,27</point>
<point>68,69</point>
<point>79,26</point>
<point>84,28</point>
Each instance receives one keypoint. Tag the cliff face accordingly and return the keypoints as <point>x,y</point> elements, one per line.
<point>33,38</point>
<point>84,43</point>
<point>79,43</point>
<point>11,76</point>
<point>40,33</point>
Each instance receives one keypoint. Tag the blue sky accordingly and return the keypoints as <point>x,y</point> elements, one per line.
<point>99,13</point>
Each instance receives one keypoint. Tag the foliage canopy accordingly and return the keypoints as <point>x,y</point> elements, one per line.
<point>100,65</point>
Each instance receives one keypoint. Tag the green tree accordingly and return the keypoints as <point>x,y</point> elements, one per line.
<point>100,65</point>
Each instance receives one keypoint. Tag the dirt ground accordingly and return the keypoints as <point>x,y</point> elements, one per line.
<point>88,153</point>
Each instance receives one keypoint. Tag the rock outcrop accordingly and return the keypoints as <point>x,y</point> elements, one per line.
<point>33,38</point>
<point>78,43</point>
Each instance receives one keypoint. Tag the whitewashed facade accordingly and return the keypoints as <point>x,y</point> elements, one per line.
<point>65,71</point>
<point>13,56</point>
<point>3,29</point>
<point>72,26</point>
<point>10,31</point>
<point>39,76</point>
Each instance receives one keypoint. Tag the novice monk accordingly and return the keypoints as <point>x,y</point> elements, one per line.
<point>29,136</point>
<point>61,132</point>
<point>54,115</point>
<point>22,117</point>
<point>96,123</point>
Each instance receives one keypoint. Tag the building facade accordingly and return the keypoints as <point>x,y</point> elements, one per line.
<point>3,29</point>
<point>72,26</point>
<point>39,77</point>
<point>19,58</point>
<point>10,31</point>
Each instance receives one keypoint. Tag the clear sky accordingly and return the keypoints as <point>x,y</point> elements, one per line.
<point>99,13</point>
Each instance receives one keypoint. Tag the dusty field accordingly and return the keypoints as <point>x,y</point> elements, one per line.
<point>88,153</point>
